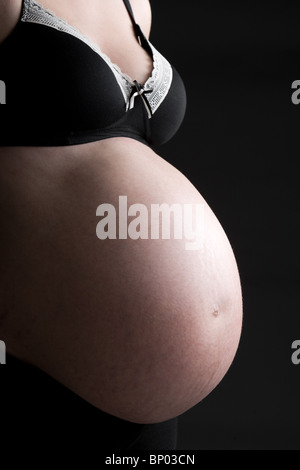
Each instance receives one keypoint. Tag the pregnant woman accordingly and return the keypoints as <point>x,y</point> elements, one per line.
<point>130,332</point>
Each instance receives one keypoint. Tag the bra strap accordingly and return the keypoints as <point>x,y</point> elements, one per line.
<point>130,11</point>
<point>137,29</point>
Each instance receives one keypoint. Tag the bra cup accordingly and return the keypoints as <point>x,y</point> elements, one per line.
<point>61,78</point>
<point>169,116</point>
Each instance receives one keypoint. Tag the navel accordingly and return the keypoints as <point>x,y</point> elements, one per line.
<point>216,311</point>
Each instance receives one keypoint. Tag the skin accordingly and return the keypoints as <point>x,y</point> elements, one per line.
<point>142,329</point>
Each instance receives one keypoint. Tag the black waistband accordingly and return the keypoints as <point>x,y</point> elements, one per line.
<point>59,416</point>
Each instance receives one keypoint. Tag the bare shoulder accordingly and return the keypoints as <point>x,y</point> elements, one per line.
<point>10,11</point>
<point>143,14</point>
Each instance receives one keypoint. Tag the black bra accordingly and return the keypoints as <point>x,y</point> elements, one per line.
<point>62,90</point>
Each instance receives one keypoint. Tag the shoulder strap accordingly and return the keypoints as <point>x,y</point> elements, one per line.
<point>137,29</point>
<point>130,11</point>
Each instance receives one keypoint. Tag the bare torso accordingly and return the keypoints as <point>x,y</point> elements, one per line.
<point>143,329</point>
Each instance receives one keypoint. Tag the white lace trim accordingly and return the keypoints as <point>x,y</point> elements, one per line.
<point>160,81</point>
<point>162,73</point>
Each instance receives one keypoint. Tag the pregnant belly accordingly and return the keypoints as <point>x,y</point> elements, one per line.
<point>143,327</point>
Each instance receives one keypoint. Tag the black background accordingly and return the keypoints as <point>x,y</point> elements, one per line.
<point>239,145</point>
